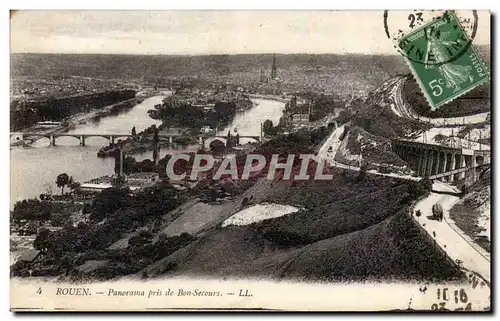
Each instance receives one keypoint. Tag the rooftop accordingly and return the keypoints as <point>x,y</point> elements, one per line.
<point>142,175</point>
<point>29,255</point>
<point>96,186</point>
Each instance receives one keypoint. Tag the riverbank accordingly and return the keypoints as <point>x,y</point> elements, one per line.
<point>181,137</point>
<point>147,228</point>
<point>82,118</point>
<point>34,167</point>
<point>106,111</point>
<point>29,179</point>
<point>24,114</point>
<point>59,159</point>
<point>144,141</point>
<point>132,146</point>
<point>278,98</point>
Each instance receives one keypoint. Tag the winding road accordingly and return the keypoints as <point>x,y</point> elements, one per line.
<point>452,240</point>
<point>402,109</point>
<point>330,147</point>
<point>458,246</point>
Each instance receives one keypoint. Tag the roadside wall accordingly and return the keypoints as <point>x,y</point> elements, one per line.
<point>425,234</point>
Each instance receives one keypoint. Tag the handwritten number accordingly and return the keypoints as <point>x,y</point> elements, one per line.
<point>419,17</point>
<point>411,17</point>
<point>463,296</point>
<point>459,296</point>
<point>415,17</point>
<point>39,291</point>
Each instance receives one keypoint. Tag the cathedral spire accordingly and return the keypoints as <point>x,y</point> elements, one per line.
<point>273,68</point>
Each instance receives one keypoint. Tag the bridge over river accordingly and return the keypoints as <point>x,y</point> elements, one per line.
<point>202,139</point>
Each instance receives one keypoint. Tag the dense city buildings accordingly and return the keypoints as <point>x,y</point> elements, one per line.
<point>25,88</point>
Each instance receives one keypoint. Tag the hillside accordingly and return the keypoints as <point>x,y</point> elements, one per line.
<point>369,125</point>
<point>375,115</point>
<point>473,213</point>
<point>348,230</point>
<point>352,227</point>
<point>358,144</point>
<point>392,249</point>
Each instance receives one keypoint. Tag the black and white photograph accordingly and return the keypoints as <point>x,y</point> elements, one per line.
<point>250,160</point>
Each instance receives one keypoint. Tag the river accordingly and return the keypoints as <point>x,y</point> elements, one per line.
<point>34,170</point>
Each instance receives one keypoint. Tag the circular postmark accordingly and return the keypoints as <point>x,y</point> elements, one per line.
<point>432,37</point>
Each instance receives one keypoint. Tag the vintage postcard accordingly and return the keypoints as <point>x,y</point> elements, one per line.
<point>250,160</point>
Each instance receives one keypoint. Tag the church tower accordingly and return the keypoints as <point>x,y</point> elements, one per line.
<point>274,73</point>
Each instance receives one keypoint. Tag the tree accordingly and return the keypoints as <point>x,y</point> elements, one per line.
<point>87,208</point>
<point>464,189</point>
<point>155,155</point>
<point>58,220</point>
<point>162,238</point>
<point>156,138</point>
<point>61,181</point>
<point>133,131</point>
<point>32,209</point>
<point>42,240</point>
<point>217,146</point>
<point>268,127</point>
<point>140,239</point>
<point>244,202</point>
<point>228,140</point>
<point>110,200</point>
<point>362,172</point>
<point>72,184</point>
<point>130,165</point>
<point>146,166</point>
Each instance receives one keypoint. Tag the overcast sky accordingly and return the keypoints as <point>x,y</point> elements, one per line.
<point>209,32</point>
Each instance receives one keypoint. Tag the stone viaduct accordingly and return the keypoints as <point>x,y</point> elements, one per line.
<point>441,162</point>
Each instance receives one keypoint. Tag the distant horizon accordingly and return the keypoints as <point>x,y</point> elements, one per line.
<point>217,54</point>
<point>206,33</point>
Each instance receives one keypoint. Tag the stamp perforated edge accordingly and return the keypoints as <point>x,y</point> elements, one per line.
<point>453,97</point>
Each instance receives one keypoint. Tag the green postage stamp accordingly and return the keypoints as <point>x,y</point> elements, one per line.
<point>443,60</point>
